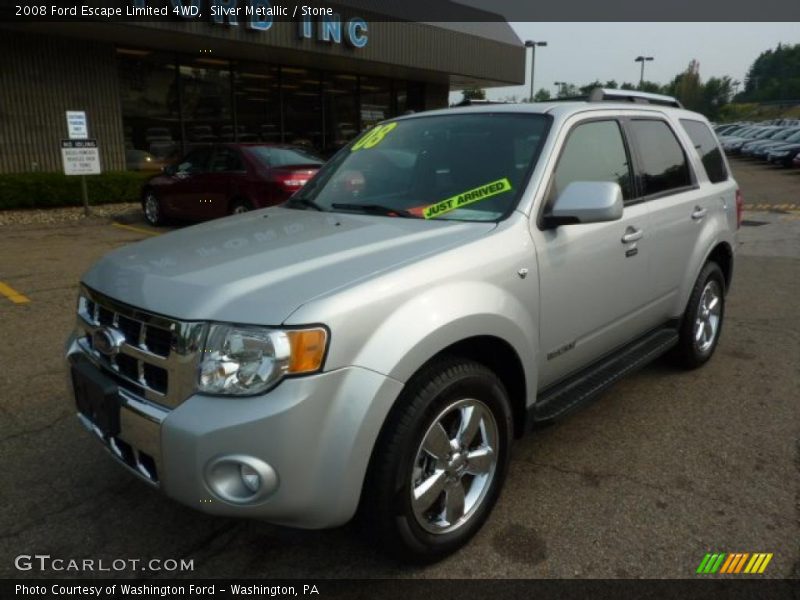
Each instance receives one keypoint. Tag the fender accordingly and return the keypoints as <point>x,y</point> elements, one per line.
<point>428,323</point>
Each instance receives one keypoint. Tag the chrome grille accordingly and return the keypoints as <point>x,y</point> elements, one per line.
<point>158,359</point>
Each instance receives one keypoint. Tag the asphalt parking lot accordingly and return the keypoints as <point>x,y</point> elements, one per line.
<point>665,467</point>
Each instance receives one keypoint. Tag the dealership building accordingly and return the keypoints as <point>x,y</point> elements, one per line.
<point>152,89</point>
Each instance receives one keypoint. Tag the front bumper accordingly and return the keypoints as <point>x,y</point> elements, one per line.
<point>316,433</point>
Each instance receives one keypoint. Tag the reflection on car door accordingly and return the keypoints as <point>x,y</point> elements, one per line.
<point>593,285</point>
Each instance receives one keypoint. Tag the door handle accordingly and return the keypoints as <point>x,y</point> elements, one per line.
<point>632,235</point>
<point>699,213</point>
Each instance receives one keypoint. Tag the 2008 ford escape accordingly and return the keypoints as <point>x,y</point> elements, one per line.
<point>443,284</point>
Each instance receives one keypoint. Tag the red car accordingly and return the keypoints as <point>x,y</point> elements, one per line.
<point>217,180</point>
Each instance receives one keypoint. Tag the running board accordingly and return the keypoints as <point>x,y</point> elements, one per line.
<point>565,396</point>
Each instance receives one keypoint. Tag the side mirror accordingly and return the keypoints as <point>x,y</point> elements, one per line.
<point>586,202</point>
<point>169,169</point>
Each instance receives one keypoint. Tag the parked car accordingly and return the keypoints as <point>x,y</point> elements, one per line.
<point>784,154</point>
<point>380,340</point>
<point>214,181</point>
<point>734,145</point>
<point>754,149</point>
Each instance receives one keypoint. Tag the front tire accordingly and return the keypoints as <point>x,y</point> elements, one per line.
<point>153,212</point>
<point>440,461</point>
<point>702,321</point>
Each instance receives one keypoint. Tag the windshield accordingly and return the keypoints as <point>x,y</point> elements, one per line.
<point>469,167</point>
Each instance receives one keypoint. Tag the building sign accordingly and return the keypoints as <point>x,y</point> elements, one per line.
<point>80,157</point>
<point>76,125</point>
<point>314,22</point>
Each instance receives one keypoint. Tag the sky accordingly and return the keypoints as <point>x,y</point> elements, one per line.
<point>582,52</point>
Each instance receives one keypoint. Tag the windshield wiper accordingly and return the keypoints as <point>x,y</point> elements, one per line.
<point>305,202</point>
<point>375,208</point>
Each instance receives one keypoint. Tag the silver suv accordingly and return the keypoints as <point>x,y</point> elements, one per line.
<point>445,283</point>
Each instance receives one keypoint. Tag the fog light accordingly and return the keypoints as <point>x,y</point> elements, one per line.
<point>240,479</point>
<point>250,478</point>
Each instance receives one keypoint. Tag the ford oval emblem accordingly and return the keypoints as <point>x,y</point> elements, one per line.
<point>107,341</point>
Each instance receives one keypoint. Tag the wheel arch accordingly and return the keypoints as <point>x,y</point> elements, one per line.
<point>722,254</point>
<point>502,359</point>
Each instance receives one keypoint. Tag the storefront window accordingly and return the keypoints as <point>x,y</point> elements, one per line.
<point>341,117</point>
<point>206,101</point>
<point>302,108</point>
<point>150,111</point>
<point>376,101</point>
<point>173,104</point>
<point>257,97</point>
<point>410,96</point>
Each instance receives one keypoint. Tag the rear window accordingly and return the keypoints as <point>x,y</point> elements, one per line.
<point>281,157</point>
<point>708,149</point>
<point>663,166</point>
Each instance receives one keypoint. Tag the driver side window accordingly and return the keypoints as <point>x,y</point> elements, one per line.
<point>594,151</point>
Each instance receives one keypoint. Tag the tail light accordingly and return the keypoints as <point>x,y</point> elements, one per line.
<point>291,181</point>
<point>739,208</point>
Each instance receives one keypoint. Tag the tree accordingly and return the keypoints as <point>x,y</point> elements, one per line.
<point>686,86</point>
<point>774,75</point>
<point>567,90</point>
<point>585,90</point>
<point>651,87</point>
<point>474,93</point>
<point>542,95</point>
<point>715,94</point>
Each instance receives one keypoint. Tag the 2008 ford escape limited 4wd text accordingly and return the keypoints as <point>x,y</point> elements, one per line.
<point>446,282</point>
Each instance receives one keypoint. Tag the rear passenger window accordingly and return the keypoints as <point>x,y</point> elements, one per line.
<point>707,148</point>
<point>594,152</point>
<point>663,163</point>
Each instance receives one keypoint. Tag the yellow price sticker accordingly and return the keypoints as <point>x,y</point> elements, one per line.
<point>373,137</point>
<point>470,196</point>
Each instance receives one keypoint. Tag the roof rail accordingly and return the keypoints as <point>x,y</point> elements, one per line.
<point>480,102</point>
<point>605,95</point>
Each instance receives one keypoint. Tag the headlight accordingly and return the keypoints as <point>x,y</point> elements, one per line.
<point>241,361</point>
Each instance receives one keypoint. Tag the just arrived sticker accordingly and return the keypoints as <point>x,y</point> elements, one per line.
<point>470,196</point>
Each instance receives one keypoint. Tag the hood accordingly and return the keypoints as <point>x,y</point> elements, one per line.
<point>260,266</point>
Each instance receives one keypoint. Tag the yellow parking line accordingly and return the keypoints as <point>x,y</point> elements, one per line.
<point>13,294</point>
<point>136,229</point>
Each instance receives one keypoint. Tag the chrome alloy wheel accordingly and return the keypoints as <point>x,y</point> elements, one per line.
<point>151,208</point>
<point>707,319</point>
<point>239,209</point>
<point>454,466</point>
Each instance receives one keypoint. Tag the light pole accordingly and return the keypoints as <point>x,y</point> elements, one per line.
<point>560,85</point>
<point>532,45</point>
<point>642,59</point>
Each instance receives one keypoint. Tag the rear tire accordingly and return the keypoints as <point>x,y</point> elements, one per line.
<point>239,206</point>
<point>702,321</point>
<point>439,464</point>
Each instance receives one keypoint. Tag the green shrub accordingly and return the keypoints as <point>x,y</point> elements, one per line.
<point>48,190</point>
